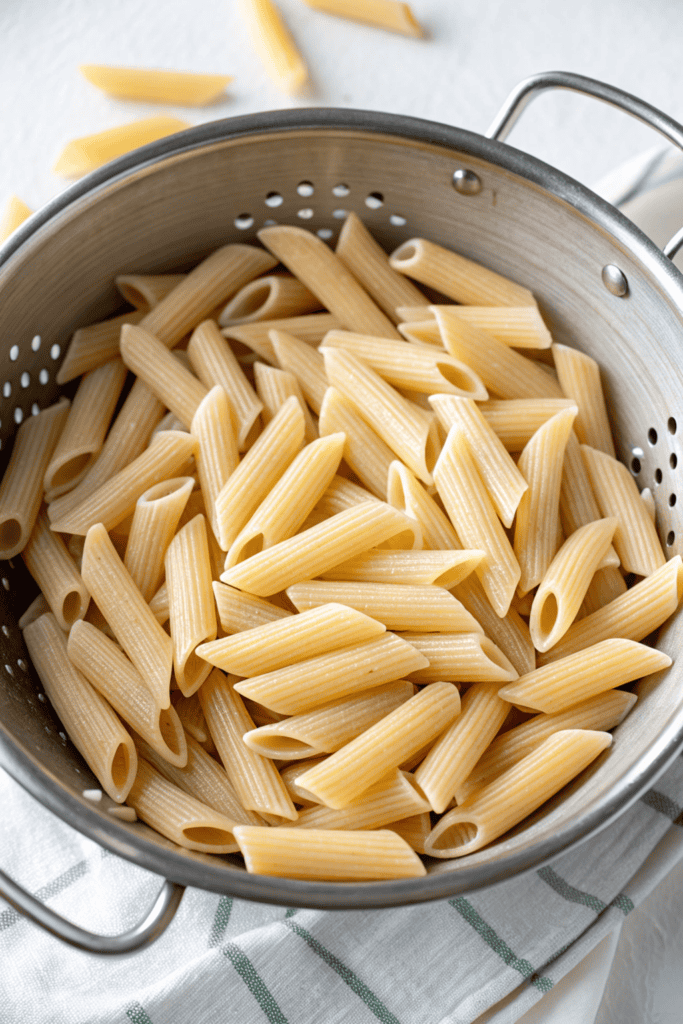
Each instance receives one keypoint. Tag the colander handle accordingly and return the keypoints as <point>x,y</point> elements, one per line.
<point>142,934</point>
<point>523,93</point>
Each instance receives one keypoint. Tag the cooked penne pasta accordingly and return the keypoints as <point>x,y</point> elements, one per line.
<point>16,212</point>
<point>190,601</point>
<point>365,452</point>
<point>516,420</point>
<point>53,569</point>
<point>301,687</point>
<point>518,327</point>
<point>459,657</point>
<point>217,454</point>
<point>414,568</point>
<point>186,88</point>
<point>509,633</point>
<point>268,298</point>
<point>238,611</point>
<point>579,378</point>
<point>274,387</point>
<point>92,346</point>
<point>310,328</point>
<point>91,151</point>
<point>144,291</point>
<point>289,775</point>
<point>166,377</point>
<point>413,830</point>
<point>305,363</point>
<point>578,676</point>
<point>345,775</point>
<point>394,797</point>
<point>91,723</point>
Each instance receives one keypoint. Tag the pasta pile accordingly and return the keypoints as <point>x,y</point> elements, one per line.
<point>344,582</point>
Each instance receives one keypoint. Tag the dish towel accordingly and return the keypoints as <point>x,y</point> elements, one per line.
<point>487,957</point>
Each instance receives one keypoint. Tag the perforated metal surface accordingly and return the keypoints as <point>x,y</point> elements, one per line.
<point>175,201</point>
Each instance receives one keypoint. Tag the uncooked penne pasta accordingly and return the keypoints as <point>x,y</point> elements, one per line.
<point>518,327</point>
<point>365,451</point>
<point>459,657</point>
<point>512,796</point>
<point>274,45</point>
<point>16,212</point>
<point>107,668</point>
<point>635,538</point>
<point>185,88</point>
<point>254,778</point>
<point>269,298</point>
<point>340,856</point>
<point>538,514</point>
<point>190,602</point>
<point>314,263</point>
<point>456,752</point>
<point>457,277</point>
<point>579,676</point>
<point>310,328</point>
<point>516,420</point>
<point>398,606</point>
<point>307,365</point>
<point>166,377</point>
<point>291,500</point>
<point>345,775</point>
<point>259,470</point>
<point>294,638</point>
<point>579,378</point>
<point>408,495</point>
<point>81,440</point>
<point>394,797</point>
<point>330,726</point>
<point>214,363</point>
<point>301,687</point>
<point>389,14</point>
<point>91,151</point>
<point>147,645</point>
<point>217,454</point>
<point>145,291</point>
<point>562,590</point>
<point>509,633</point>
<point>274,387</point>
<point>94,345</point>
<point>238,611</point>
<point>53,569</point>
<point>407,431</point>
<point>471,511</point>
<point>415,568</point>
<point>21,488</point>
<point>369,263</point>
<point>504,482</point>
<point>90,722</point>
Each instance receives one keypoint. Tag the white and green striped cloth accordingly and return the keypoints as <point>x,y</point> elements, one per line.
<point>494,953</point>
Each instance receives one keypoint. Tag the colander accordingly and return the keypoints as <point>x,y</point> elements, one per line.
<point>602,286</point>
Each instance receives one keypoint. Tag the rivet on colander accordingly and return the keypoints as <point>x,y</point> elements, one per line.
<point>467,183</point>
<point>614,280</point>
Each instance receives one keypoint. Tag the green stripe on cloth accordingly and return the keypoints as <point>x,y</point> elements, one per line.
<point>59,884</point>
<point>467,911</point>
<point>220,921</point>
<point>373,1003</point>
<point>623,902</point>
<point>137,1014</point>
<point>661,803</point>
<point>291,911</point>
<point>569,892</point>
<point>249,975</point>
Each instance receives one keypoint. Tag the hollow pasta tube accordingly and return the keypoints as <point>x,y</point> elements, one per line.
<point>53,569</point>
<point>190,601</point>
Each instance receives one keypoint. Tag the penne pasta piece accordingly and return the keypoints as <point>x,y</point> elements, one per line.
<point>177,815</point>
<point>318,548</point>
<point>83,435</point>
<point>510,633</point>
<point>414,568</point>
<point>37,607</point>
<point>177,388</point>
<point>389,14</point>
<point>341,778</point>
<point>405,493</point>
<point>107,668</point>
<point>413,830</point>
<point>91,151</point>
<point>563,588</point>
<point>648,499</point>
<point>305,363</point>
<point>538,514</point>
<point>457,277</point>
<point>459,657</point>
<point>301,687</point>
<point>269,298</point>
<point>516,420</point>
<point>217,454</point>
<point>456,752</point>
<point>420,368</point>
<point>214,363</point>
<point>337,856</point>
<point>369,263</point>
<point>635,538</point>
<point>185,88</point>
<point>602,712</point>
<point>340,495</point>
<point>314,263</point>
<point>579,378</point>
<point>291,500</point>
<point>471,511</point>
<point>581,675</point>
<point>53,569</point>
<point>190,713</point>
<point>274,45</point>
<point>257,473</point>
<point>512,796</point>
<point>274,387</point>
<point>94,345</point>
<point>145,291</point>
<point>256,782</point>
<point>294,638</point>
<point>503,370</point>
<point>289,775</point>
<point>190,601</point>
<point>398,606</point>
<point>503,480</point>
<point>238,611</point>
<point>115,499</point>
<point>155,520</point>
<point>422,331</point>
<point>21,488</point>
<point>518,327</point>
<point>92,725</point>
<point>365,452</point>
<point>310,328</point>
<point>394,797</point>
<point>16,212</point>
<point>330,726</point>
<point>135,628</point>
<point>606,585</point>
<point>407,431</point>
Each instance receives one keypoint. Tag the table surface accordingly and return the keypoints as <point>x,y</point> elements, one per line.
<point>460,74</point>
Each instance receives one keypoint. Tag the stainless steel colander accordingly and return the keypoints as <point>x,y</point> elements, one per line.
<point>601,284</point>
